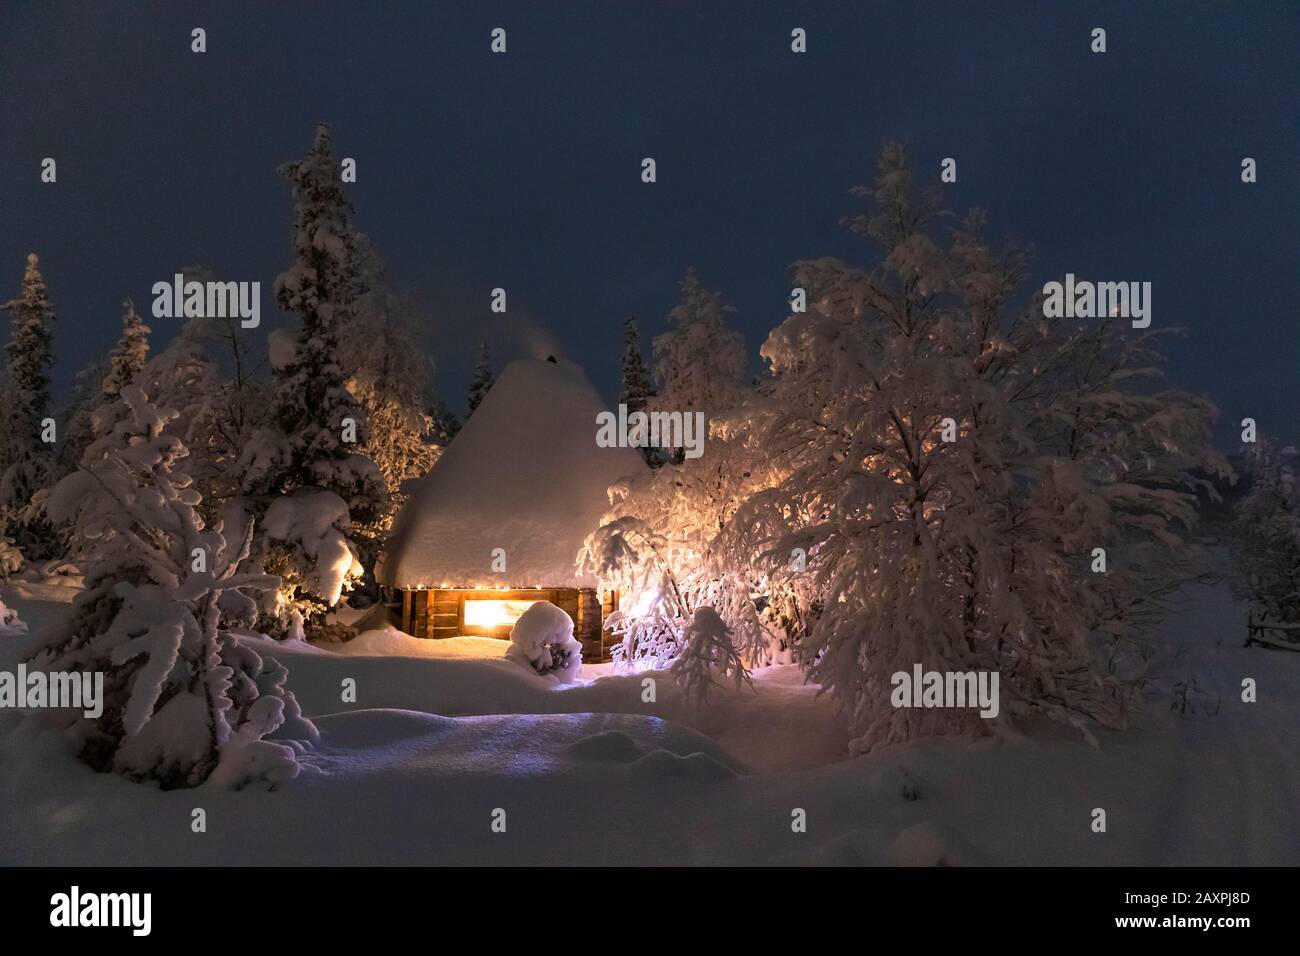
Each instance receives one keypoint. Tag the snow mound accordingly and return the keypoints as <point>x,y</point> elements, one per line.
<point>379,728</point>
<point>894,782</point>
<point>543,639</point>
<point>659,765</point>
<point>388,641</point>
<point>924,844</point>
<point>611,746</point>
<point>524,474</point>
<point>10,623</point>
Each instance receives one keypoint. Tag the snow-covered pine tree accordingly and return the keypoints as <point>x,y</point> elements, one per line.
<point>305,471</point>
<point>1266,534</point>
<point>482,380</point>
<point>80,429</point>
<point>28,467</point>
<point>445,422</point>
<point>637,388</point>
<point>954,460</point>
<point>102,381</point>
<point>709,654</point>
<point>30,355</point>
<point>699,362</point>
<point>128,355</point>
<point>184,702</point>
<point>185,378</point>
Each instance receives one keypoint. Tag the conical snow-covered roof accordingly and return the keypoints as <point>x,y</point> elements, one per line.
<point>524,474</point>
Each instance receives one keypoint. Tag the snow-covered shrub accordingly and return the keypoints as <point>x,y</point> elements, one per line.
<point>542,639</point>
<point>708,655</point>
<point>10,623</point>
<point>11,558</point>
<point>182,697</point>
<point>1266,535</point>
<point>647,640</point>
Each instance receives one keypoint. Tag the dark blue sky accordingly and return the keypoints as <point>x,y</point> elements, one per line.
<point>522,170</point>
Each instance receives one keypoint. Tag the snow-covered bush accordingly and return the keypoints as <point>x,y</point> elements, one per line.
<point>708,657</point>
<point>183,700</point>
<point>11,558</point>
<point>542,639</point>
<point>1266,535</point>
<point>10,623</point>
<point>648,640</point>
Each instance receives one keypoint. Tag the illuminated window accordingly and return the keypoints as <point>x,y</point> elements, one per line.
<point>488,613</point>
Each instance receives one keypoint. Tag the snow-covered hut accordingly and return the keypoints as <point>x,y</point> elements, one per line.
<point>498,522</point>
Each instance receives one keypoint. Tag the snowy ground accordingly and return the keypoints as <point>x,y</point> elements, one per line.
<point>444,733</point>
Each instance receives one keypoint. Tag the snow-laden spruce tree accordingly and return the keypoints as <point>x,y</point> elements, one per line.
<point>102,381</point>
<point>482,379</point>
<point>27,460</point>
<point>444,423</point>
<point>959,468</point>
<point>211,373</point>
<point>184,701</point>
<point>79,411</point>
<point>708,656</point>
<point>699,362</point>
<point>185,378</point>
<point>128,355</point>
<point>637,388</point>
<point>1266,535</point>
<point>305,472</point>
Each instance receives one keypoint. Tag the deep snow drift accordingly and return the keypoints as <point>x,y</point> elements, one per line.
<point>442,735</point>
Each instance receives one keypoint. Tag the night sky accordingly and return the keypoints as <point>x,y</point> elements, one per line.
<point>478,170</point>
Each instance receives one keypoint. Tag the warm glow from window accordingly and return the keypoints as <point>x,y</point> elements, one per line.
<point>480,613</point>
